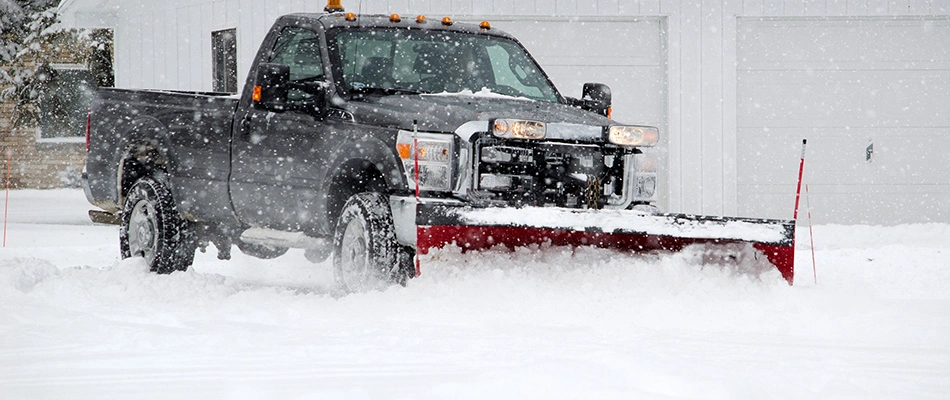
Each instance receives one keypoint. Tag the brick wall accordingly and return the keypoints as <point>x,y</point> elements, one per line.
<point>37,164</point>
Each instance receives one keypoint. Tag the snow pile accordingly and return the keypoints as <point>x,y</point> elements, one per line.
<point>541,322</point>
<point>625,221</point>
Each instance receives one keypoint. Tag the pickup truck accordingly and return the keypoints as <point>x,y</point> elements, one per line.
<point>345,123</point>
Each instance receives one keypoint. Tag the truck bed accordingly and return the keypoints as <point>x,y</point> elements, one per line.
<point>189,131</point>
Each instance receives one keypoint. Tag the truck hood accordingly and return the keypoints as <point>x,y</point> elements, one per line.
<point>446,112</point>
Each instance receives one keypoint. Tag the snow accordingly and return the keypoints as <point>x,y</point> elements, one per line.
<point>78,323</point>
<point>620,221</point>
<point>483,93</point>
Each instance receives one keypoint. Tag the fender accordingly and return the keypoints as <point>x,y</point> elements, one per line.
<point>375,151</point>
<point>146,133</point>
<point>363,149</point>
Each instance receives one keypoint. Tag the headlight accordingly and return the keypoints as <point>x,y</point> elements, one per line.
<point>518,129</point>
<point>432,153</point>
<point>633,135</point>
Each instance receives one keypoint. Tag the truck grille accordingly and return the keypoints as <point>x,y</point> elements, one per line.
<point>573,175</point>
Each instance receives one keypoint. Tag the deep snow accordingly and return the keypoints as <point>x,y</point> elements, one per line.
<point>76,322</point>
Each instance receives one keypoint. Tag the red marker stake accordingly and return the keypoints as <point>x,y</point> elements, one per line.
<point>6,201</point>
<point>798,191</point>
<point>415,156</point>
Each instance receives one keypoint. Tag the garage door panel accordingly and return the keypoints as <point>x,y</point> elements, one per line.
<point>846,85</point>
<point>590,42</point>
<point>838,157</point>
<point>813,44</point>
<point>844,98</point>
<point>906,204</point>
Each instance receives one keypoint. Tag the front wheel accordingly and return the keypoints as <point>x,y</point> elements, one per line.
<point>151,228</point>
<point>365,251</point>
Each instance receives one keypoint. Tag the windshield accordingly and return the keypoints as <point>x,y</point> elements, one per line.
<point>425,61</point>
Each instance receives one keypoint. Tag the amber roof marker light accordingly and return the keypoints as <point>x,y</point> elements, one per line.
<point>334,6</point>
<point>447,21</point>
<point>421,19</point>
<point>394,18</point>
<point>484,25</point>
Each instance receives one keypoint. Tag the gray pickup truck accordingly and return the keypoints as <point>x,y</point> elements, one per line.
<point>345,123</point>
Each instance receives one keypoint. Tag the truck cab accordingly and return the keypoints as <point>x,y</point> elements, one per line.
<point>338,103</point>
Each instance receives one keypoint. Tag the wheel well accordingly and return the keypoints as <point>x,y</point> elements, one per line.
<point>355,176</point>
<point>140,160</point>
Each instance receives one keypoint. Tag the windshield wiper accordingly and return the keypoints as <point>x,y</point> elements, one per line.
<point>356,91</point>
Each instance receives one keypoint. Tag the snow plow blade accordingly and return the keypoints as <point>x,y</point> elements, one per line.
<point>475,228</point>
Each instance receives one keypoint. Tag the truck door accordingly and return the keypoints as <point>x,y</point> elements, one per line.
<point>278,157</point>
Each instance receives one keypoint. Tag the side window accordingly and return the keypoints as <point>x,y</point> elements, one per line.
<point>299,49</point>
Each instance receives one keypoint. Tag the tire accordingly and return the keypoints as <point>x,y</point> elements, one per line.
<point>405,264</point>
<point>365,251</point>
<point>152,228</point>
<point>261,251</point>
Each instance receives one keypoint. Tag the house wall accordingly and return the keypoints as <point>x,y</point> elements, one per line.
<point>33,164</point>
<point>167,45</point>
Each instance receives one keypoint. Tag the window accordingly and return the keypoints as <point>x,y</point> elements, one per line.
<point>436,62</point>
<point>67,88</point>
<point>299,49</point>
<point>224,60</point>
<point>64,101</point>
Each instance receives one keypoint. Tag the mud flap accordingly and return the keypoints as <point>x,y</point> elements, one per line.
<point>475,228</point>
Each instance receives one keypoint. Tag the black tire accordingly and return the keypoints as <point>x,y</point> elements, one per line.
<point>365,251</point>
<point>405,264</point>
<point>261,251</point>
<point>153,229</point>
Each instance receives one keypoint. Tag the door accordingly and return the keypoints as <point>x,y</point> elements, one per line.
<point>278,161</point>
<point>869,94</point>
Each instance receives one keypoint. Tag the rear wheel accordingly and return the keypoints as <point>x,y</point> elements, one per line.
<point>151,228</point>
<point>365,252</point>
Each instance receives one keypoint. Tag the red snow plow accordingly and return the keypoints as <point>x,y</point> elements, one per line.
<point>474,228</point>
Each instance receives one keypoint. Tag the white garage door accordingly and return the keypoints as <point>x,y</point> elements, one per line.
<point>626,54</point>
<point>872,96</point>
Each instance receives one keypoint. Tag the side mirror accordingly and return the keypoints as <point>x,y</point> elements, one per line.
<point>596,98</point>
<point>270,87</point>
<point>314,97</point>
